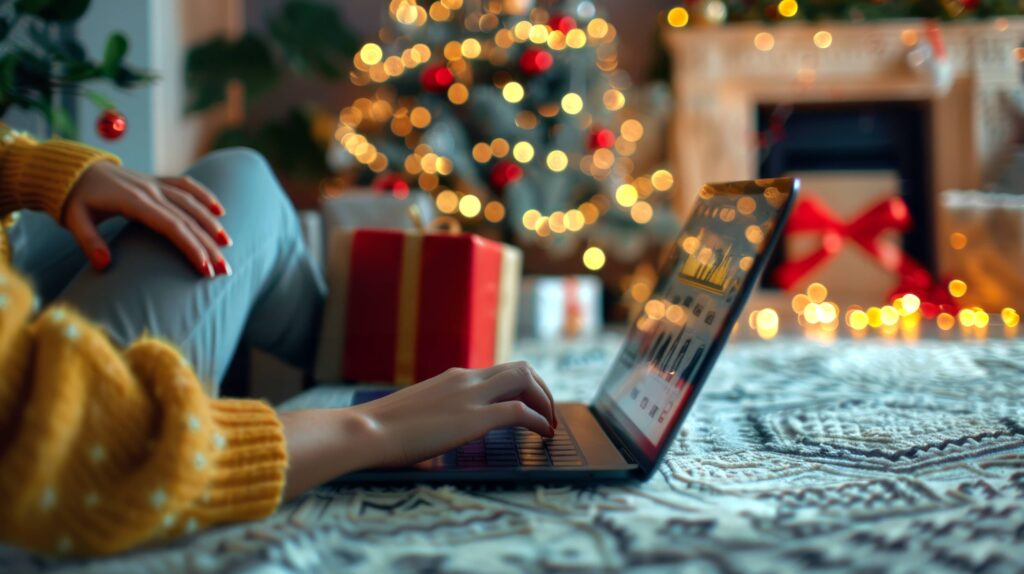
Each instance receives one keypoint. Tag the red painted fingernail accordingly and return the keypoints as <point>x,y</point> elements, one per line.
<point>206,269</point>
<point>217,209</point>
<point>100,259</point>
<point>222,267</point>
<point>222,238</point>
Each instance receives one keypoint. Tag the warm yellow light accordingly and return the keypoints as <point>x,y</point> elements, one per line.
<point>662,180</point>
<point>593,258</point>
<point>513,92</point>
<point>889,316</point>
<point>678,17</point>
<point>603,159</point>
<point>597,28</point>
<point>957,240</point>
<point>911,303</point>
<point>572,103</point>
<point>500,147</point>
<point>857,320</point>
<point>966,317</point>
<point>799,302</point>
<point>766,320</point>
<point>641,212</point>
<point>754,234</point>
<point>811,313</point>
<point>539,33</point>
<point>494,211</point>
<point>945,321</point>
<point>576,38</point>
<point>613,99</point>
<point>574,220</point>
<point>632,130</point>
<point>471,48</point>
<point>469,206</point>
<point>590,212</point>
<point>909,37</point>
<point>420,117</point>
<point>788,8</point>
<point>447,201</point>
<point>523,152</point>
<point>764,41</point>
<point>522,30</point>
<point>1010,317</point>
<point>482,152</point>
<point>981,319</point>
<point>458,94</point>
<point>823,39</point>
<point>957,288</point>
<point>676,315</point>
<point>817,292</point>
<point>557,160</point>
<point>655,309</point>
<point>371,54</point>
<point>626,195</point>
<point>530,219</point>
<point>874,317</point>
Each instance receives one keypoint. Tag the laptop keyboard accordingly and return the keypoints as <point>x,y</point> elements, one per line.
<point>512,447</point>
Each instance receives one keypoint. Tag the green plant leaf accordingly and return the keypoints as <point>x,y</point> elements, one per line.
<point>99,100</point>
<point>211,66</point>
<point>113,54</point>
<point>53,10</point>
<point>313,38</point>
<point>8,63</point>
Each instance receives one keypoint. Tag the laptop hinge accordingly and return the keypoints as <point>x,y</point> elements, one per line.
<point>613,434</point>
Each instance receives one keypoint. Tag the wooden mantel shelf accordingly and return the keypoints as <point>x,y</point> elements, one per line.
<point>720,77</point>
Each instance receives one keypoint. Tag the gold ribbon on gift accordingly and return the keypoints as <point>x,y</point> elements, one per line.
<point>410,278</point>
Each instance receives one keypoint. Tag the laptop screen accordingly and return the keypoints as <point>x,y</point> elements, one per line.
<point>701,290</point>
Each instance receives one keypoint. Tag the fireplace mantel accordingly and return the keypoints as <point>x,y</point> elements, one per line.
<point>719,78</point>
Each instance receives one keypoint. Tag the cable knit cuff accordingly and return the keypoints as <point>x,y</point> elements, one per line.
<point>250,459</point>
<point>41,176</point>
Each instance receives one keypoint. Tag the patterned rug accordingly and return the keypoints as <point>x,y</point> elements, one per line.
<point>860,456</point>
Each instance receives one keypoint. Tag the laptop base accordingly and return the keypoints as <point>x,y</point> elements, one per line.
<point>598,459</point>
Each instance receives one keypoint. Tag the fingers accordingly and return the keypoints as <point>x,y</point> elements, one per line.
<point>516,413</point>
<point>197,211</point>
<point>82,227</point>
<point>220,264</point>
<point>198,191</point>
<point>517,382</point>
<point>523,366</point>
<point>164,221</point>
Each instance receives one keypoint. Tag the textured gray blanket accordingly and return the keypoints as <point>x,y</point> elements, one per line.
<point>860,456</point>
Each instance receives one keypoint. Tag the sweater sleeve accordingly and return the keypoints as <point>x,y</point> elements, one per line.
<point>39,176</point>
<point>102,451</point>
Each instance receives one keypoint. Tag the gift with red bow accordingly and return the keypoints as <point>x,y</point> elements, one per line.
<point>857,257</point>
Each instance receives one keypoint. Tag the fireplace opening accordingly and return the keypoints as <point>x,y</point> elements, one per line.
<point>855,137</point>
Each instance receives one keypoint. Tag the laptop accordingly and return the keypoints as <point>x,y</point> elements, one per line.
<point>668,351</point>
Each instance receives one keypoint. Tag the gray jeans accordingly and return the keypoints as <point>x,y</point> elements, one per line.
<point>273,301</point>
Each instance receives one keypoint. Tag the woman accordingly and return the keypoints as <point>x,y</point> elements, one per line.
<point>110,435</point>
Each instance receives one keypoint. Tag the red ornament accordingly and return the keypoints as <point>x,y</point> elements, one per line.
<point>111,124</point>
<point>562,23</point>
<point>535,60</point>
<point>601,138</point>
<point>504,173</point>
<point>436,78</point>
<point>393,183</point>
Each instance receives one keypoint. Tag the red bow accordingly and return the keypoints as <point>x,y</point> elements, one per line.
<point>811,215</point>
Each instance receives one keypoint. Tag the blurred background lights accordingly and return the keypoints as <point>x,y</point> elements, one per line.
<point>593,258</point>
<point>764,41</point>
<point>823,39</point>
<point>678,17</point>
<point>957,288</point>
<point>572,103</point>
<point>788,8</point>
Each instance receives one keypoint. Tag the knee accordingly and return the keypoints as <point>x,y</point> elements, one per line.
<point>236,163</point>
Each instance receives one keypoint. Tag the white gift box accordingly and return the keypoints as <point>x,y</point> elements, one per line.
<point>556,307</point>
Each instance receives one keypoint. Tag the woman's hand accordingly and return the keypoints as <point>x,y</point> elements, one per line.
<point>415,423</point>
<point>179,208</point>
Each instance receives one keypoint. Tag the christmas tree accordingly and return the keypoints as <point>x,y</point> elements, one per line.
<point>514,117</point>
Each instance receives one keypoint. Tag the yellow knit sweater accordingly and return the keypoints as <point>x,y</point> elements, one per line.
<point>103,449</point>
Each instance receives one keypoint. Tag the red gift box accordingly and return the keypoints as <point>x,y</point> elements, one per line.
<point>407,305</point>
